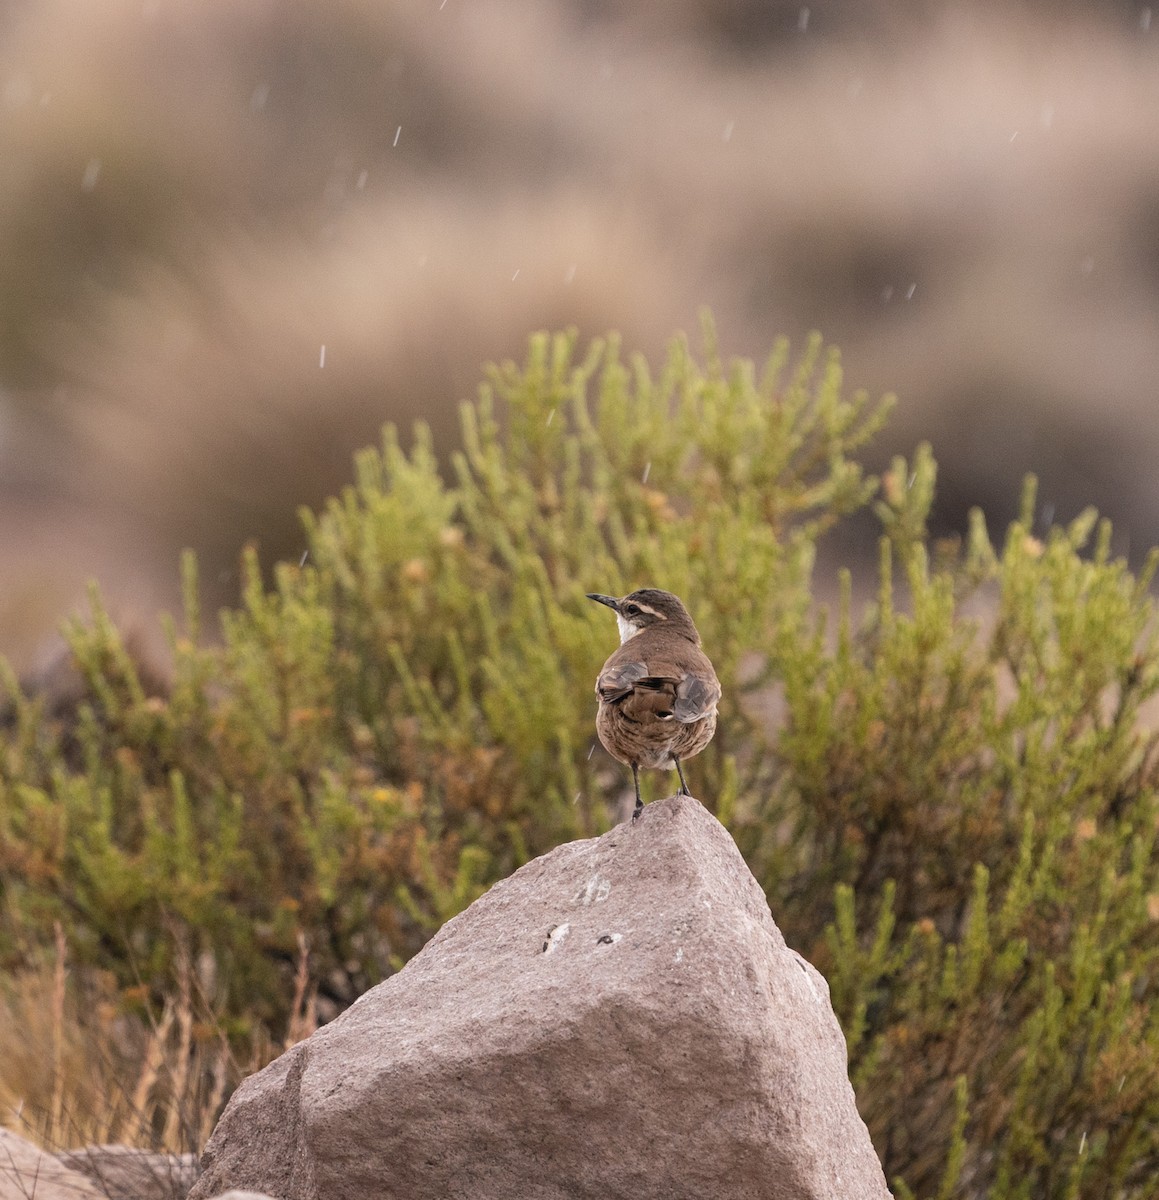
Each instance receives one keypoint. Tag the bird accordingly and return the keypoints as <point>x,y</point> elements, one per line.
<point>658,691</point>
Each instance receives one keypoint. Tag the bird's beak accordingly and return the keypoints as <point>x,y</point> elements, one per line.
<point>610,601</point>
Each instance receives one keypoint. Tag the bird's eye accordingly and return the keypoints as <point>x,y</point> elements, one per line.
<point>633,610</point>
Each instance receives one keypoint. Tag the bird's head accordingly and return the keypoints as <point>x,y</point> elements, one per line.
<point>647,608</point>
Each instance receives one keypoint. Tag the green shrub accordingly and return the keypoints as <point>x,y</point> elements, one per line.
<point>979,800</point>
<point>954,816</point>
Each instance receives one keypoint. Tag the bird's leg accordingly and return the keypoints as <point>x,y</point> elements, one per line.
<point>683,785</point>
<point>639,803</point>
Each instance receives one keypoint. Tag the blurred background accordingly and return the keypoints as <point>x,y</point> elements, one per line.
<point>237,238</point>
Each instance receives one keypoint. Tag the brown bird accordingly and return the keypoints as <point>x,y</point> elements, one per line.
<point>658,692</point>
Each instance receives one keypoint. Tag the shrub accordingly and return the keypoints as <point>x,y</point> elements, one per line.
<point>954,817</point>
<point>407,716</point>
<point>977,799</point>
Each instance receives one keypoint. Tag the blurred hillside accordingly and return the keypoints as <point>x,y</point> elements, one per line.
<point>237,238</point>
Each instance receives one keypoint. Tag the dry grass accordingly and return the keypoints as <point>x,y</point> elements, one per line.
<point>82,1065</point>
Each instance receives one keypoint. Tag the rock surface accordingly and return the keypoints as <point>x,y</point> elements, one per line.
<point>125,1173</point>
<point>620,1017</point>
<point>26,1171</point>
<point>240,1195</point>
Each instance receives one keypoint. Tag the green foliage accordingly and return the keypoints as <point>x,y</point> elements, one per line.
<point>407,716</point>
<point>979,798</point>
<point>950,798</point>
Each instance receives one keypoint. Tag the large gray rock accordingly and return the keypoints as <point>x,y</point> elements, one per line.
<point>619,1018</point>
<point>28,1173</point>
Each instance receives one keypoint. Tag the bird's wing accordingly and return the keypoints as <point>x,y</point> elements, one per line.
<point>696,696</point>
<point>660,689</point>
<point>617,680</point>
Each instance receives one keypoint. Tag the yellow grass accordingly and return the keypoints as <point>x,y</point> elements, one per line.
<point>79,1067</point>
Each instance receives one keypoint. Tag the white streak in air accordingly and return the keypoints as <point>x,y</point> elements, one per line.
<point>322,357</point>
<point>397,135</point>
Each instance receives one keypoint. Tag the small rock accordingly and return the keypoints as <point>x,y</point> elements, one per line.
<point>26,1171</point>
<point>237,1194</point>
<point>125,1173</point>
<point>620,1017</point>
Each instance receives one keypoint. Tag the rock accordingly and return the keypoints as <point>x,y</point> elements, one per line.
<point>620,1017</point>
<point>125,1173</point>
<point>237,1194</point>
<point>27,1171</point>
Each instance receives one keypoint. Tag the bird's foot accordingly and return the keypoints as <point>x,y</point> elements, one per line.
<point>637,810</point>
<point>682,790</point>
